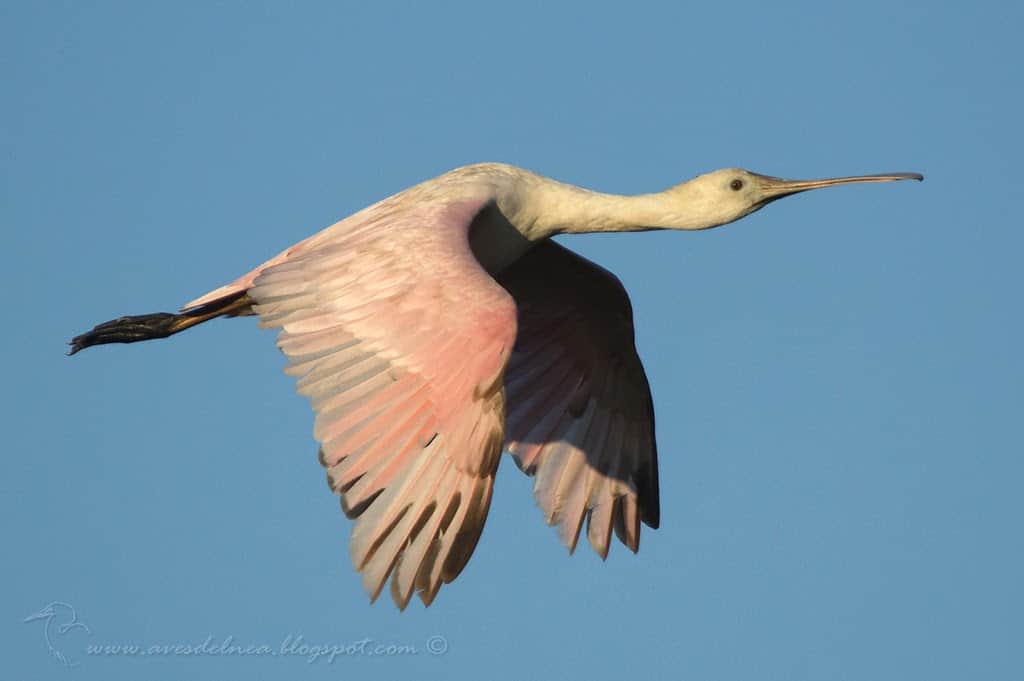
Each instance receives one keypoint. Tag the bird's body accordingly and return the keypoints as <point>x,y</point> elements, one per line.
<point>440,326</point>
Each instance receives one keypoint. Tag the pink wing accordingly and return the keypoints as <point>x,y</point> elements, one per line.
<point>580,416</point>
<point>399,338</point>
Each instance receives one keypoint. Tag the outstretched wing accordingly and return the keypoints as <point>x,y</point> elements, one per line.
<point>580,417</point>
<point>399,338</point>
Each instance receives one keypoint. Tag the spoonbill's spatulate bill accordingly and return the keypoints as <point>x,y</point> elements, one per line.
<point>441,326</point>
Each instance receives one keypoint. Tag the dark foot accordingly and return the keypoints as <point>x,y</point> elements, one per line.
<point>128,330</point>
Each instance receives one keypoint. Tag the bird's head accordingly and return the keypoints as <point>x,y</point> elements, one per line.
<point>48,611</point>
<point>729,194</point>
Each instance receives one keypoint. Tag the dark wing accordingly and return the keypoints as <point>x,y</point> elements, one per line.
<point>579,412</point>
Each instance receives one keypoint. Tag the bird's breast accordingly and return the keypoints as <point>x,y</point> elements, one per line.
<point>495,241</point>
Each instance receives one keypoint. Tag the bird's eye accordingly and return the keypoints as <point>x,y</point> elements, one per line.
<point>736,185</point>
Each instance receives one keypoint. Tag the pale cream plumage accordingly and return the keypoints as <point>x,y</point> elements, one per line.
<point>440,325</point>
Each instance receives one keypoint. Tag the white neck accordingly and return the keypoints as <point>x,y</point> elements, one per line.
<point>530,208</point>
<point>543,208</point>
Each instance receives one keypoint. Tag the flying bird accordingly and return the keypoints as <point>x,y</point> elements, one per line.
<point>441,326</point>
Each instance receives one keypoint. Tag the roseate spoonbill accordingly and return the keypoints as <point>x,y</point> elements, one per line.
<point>440,326</point>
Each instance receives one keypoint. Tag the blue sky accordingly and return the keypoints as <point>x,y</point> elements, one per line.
<point>837,379</point>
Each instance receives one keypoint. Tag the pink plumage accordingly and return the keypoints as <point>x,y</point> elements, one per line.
<point>441,326</point>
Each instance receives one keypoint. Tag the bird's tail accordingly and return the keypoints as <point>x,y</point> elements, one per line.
<point>160,324</point>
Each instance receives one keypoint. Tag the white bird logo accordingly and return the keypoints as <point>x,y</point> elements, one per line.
<point>68,620</point>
